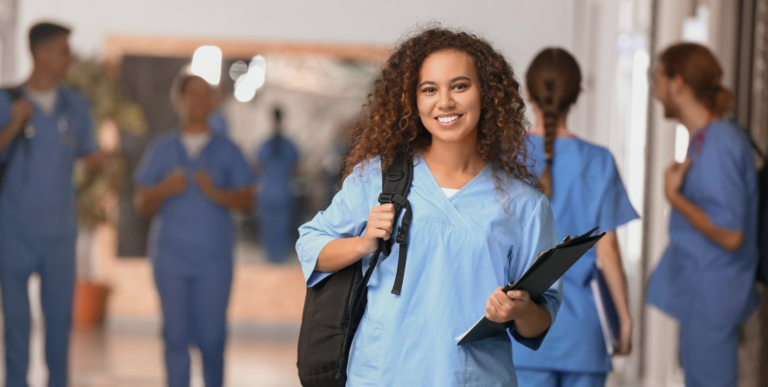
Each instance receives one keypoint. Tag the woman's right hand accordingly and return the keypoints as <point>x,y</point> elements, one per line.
<point>175,183</point>
<point>380,222</point>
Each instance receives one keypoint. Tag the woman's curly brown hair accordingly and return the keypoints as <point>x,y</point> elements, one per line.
<point>392,125</point>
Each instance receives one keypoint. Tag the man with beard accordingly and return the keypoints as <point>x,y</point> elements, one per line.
<point>705,280</point>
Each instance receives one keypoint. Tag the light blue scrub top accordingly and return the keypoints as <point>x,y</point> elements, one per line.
<point>696,278</point>
<point>38,195</point>
<point>459,251</point>
<point>587,192</point>
<point>277,157</point>
<point>191,233</point>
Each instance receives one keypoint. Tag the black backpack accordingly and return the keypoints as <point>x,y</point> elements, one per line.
<point>334,307</point>
<point>15,93</point>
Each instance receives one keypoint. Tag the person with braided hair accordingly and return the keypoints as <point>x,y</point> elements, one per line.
<point>585,190</point>
<point>706,277</point>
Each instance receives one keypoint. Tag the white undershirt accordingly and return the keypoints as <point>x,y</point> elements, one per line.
<point>449,191</point>
<point>45,100</point>
<point>194,143</point>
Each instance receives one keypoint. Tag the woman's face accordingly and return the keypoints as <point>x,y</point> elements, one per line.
<point>448,96</point>
<point>196,100</point>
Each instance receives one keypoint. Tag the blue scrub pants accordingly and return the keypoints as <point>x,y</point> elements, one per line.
<point>275,217</point>
<point>54,261</point>
<point>194,313</point>
<point>709,356</point>
<point>544,378</point>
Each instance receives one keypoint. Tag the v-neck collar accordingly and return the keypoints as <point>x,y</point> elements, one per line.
<point>57,107</point>
<point>185,158</point>
<point>436,186</point>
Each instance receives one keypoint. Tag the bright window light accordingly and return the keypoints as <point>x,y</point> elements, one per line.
<point>682,138</point>
<point>206,63</point>
<point>250,82</point>
<point>696,28</point>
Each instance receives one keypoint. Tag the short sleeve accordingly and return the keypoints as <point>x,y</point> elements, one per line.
<point>615,207</point>
<point>346,217</point>
<point>150,171</point>
<point>86,136</point>
<point>239,173</point>
<point>540,234</point>
<point>723,196</point>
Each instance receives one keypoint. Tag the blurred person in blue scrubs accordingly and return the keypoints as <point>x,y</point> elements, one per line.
<point>277,164</point>
<point>189,181</point>
<point>44,133</point>
<point>705,279</point>
<point>585,190</point>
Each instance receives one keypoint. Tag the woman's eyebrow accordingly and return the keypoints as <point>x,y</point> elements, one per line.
<point>454,80</point>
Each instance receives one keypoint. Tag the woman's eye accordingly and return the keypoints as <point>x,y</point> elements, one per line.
<point>429,90</point>
<point>460,86</point>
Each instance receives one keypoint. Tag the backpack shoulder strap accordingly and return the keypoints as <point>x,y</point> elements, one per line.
<point>15,93</point>
<point>396,183</point>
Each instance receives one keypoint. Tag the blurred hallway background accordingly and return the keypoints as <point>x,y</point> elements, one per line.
<point>317,60</point>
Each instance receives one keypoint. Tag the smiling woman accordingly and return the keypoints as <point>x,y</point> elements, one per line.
<point>451,102</point>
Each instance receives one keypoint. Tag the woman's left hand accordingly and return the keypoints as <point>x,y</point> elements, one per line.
<point>513,305</point>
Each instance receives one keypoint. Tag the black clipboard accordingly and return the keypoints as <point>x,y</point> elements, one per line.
<point>545,271</point>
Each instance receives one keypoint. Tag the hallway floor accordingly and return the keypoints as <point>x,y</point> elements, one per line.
<point>119,358</point>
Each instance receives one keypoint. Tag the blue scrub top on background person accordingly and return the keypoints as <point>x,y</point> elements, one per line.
<point>696,278</point>
<point>38,227</point>
<point>191,232</point>
<point>38,197</point>
<point>460,249</point>
<point>587,192</point>
<point>277,160</point>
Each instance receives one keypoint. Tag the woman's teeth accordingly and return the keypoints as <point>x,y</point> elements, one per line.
<point>448,120</point>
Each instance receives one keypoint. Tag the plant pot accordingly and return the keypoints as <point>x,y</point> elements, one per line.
<point>90,304</point>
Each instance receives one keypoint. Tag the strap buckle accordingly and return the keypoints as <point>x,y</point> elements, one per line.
<point>385,198</point>
<point>400,239</point>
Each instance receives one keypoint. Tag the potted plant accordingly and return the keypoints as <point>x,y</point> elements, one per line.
<point>113,114</point>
